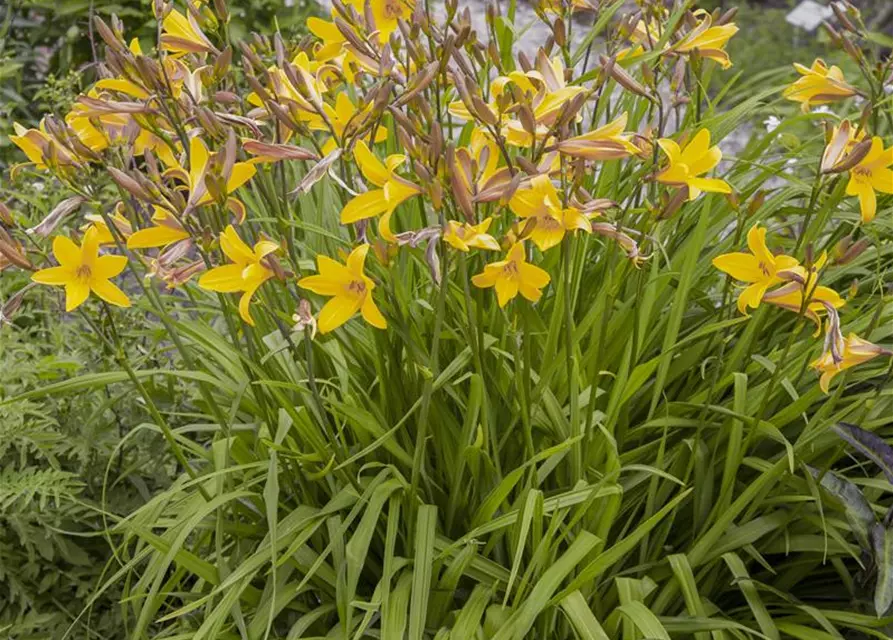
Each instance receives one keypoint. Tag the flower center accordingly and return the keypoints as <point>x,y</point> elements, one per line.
<point>765,269</point>
<point>83,272</point>
<point>862,172</point>
<point>510,270</point>
<point>392,9</point>
<point>549,223</point>
<point>357,288</point>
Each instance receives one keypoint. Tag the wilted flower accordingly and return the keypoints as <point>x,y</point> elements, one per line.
<point>608,142</point>
<point>852,352</point>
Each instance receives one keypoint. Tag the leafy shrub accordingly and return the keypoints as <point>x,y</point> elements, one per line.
<point>519,349</point>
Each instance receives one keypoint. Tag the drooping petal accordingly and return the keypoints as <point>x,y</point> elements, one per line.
<point>372,314</point>
<point>366,205</point>
<point>225,279</point>
<point>506,289</point>
<point>158,236</point>
<point>245,303</point>
<point>741,266</point>
<point>234,247</point>
<point>76,292</point>
<point>372,168</point>
<point>337,311</point>
<point>108,291</point>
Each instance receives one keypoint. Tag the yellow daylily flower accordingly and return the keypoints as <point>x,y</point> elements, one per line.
<point>386,13</point>
<point>82,270</point>
<point>181,35</point>
<point>820,84</point>
<point>246,273</point>
<point>339,116</point>
<point>512,276</point>
<point>166,230</point>
<point>608,142</point>
<point>853,352</point>
<point>464,236</point>
<point>871,174</point>
<point>348,286</point>
<point>39,146</point>
<point>542,203</point>
<point>382,201</point>
<point>707,40</point>
<point>194,178</point>
<point>687,164</point>
<point>759,267</point>
<point>790,296</point>
<point>104,234</point>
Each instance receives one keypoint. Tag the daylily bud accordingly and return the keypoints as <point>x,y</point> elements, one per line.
<point>833,34</point>
<point>559,32</point>
<point>852,50</point>
<point>128,184</point>
<point>221,10</point>
<point>9,309</point>
<point>11,253</point>
<point>619,75</point>
<point>756,202</point>
<point>673,204</point>
<point>6,215</point>
<point>847,251</point>
<point>844,19</point>
<point>727,17</point>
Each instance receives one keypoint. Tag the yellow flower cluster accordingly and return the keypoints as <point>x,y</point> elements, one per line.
<point>194,155</point>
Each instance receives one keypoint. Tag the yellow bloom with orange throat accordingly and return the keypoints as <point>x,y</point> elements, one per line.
<point>512,276</point>
<point>82,270</point>
<point>350,290</point>
<point>464,236</point>
<point>759,268</point>
<point>246,273</point>
<point>392,190</point>
<point>870,175</point>
<point>541,203</point>
<point>687,166</point>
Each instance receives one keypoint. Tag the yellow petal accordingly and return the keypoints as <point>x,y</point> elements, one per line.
<point>54,276</point>
<point>109,292</point>
<point>337,311</point>
<point>76,292</point>
<point>225,279</point>
<point>372,314</point>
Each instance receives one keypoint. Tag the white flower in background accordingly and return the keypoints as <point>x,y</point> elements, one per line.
<point>771,123</point>
<point>823,109</point>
